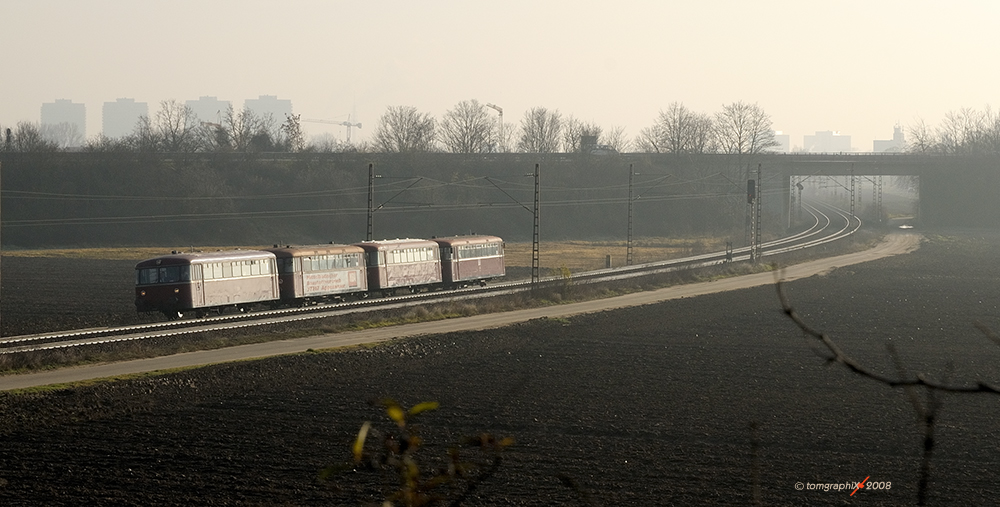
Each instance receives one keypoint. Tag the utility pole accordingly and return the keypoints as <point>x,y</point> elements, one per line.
<point>755,249</point>
<point>534,238</point>
<point>628,245</point>
<point>371,199</point>
<point>751,199</point>
<point>852,192</point>
<point>878,207</point>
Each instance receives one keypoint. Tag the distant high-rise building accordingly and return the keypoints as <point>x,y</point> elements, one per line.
<point>826,142</point>
<point>64,122</point>
<point>208,109</point>
<point>894,145</point>
<point>119,118</point>
<point>270,105</point>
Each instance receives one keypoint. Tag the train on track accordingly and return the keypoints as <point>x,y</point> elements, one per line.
<point>200,283</point>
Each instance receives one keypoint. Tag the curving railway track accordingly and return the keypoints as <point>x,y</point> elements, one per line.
<point>829,224</point>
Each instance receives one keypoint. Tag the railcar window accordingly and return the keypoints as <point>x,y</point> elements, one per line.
<point>147,276</point>
<point>169,274</point>
<point>254,267</point>
<point>164,274</point>
<point>474,251</point>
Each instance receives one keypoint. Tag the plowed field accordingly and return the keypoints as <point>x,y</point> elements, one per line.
<point>640,406</point>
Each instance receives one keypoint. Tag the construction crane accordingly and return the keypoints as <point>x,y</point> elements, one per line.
<point>347,124</point>
<point>500,139</point>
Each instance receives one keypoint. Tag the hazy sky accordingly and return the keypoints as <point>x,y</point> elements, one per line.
<point>857,67</point>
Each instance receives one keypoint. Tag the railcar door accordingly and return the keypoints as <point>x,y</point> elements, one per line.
<point>198,284</point>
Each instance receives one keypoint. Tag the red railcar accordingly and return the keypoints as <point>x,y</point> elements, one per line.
<point>200,282</point>
<point>402,264</point>
<point>471,259</point>
<point>316,273</point>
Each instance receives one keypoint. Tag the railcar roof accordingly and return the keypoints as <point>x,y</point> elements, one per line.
<point>203,257</point>
<point>307,250</point>
<point>468,240</point>
<point>389,244</point>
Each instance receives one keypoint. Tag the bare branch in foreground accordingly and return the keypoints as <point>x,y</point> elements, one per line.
<point>840,357</point>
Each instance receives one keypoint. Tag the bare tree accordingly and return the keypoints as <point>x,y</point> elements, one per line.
<point>104,144</point>
<point>27,137</point>
<point>743,129</point>
<point>966,131</point>
<point>505,138</point>
<point>922,137</point>
<point>616,139</point>
<point>702,138</point>
<point>64,135</point>
<point>648,140</point>
<point>245,131</point>
<point>678,130</point>
<point>990,138</point>
<point>291,130</point>
<point>468,128</point>
<point>540,129</point>
<point>403,129</point>
<point>175,125</point>
<point>143,137</point>
<point>960,132</point>
<point>573,132</point>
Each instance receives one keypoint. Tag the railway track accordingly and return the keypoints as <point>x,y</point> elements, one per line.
<point>829,224</point>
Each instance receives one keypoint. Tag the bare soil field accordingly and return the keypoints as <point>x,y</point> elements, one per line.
<point>650,405</point>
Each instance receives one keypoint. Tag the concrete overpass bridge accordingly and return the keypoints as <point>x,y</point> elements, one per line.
<point>953,190</point>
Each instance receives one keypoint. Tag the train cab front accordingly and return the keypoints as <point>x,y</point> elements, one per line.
<point>163,288</point>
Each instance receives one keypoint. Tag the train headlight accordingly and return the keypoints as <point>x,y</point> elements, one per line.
<point>177,291</point>
<point>142,293</point>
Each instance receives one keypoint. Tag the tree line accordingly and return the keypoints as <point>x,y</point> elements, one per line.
<point>964,132</point>
<point>469,127</point>
<point>739,128</point>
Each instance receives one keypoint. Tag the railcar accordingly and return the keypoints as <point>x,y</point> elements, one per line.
<point>399,265</point>
<point>181,283</point>
<point>467,260</point>
<point>310,274</point>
